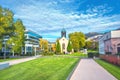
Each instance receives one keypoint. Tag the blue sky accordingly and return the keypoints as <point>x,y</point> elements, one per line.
<point>48,17</point>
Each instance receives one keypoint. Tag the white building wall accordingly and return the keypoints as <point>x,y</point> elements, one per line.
<point>65,41</point>
<point>115,34</point>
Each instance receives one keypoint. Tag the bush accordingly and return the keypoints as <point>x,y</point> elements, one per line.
<point>27,54</point>
<point>47,54</point>
<point>93,54</point>
<point>118,54</point>
<point>90,55</point>
<point>58,53</point>
<point>2,55</point>
<point>108,53</point>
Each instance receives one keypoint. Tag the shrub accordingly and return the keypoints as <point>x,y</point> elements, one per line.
<point>118,54</point>
<point>93,54</point>
<point>90,55</point>
<point>47,53</point>
<point>59,53</point>
<point>108,53</point>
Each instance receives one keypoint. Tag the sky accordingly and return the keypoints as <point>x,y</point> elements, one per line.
<point>49,17</point>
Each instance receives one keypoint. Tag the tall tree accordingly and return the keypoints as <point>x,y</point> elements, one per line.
<point>18,39</point>
<point>6,24</point>
<point>58,50</point>
<point>44,45</point>
<point>69,47</point>
<point>92,45</point>
<point>77,39</point>
<point>53,47</point>
<point>88,44</point>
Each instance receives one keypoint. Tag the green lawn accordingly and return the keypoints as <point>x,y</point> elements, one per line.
<point>46,68</point>
<point>2,60</point>
<point>113,69</point>
<point>78,54</point>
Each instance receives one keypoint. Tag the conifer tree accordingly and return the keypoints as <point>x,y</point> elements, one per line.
<point>58,50</point>
<point>69,47</point>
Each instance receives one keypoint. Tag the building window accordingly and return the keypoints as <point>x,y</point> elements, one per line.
<point>118,48</point>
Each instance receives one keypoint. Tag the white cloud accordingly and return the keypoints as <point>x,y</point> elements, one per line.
<point>47,20</point>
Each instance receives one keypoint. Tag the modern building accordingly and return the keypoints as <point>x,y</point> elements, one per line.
<point>110,42</point>
<point>32,42</point>
<point>4,45</point>
<point>63,41</point>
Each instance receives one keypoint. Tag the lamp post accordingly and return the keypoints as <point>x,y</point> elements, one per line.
<point>12,47</point>
<point>4,49</point>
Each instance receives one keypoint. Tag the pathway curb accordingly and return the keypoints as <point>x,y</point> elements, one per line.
<point>71,73</point>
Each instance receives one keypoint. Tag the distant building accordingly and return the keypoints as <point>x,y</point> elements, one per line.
<point>32,42</point>
<point>94,38</point>
<point>63,41</point>
<point>110,42</point>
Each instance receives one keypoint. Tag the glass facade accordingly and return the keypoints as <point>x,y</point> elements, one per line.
<point>32,42</point>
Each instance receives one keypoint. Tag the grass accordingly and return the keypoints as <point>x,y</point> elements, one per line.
<point>113,69</point>
<point>2,60</point>
<point>46,68</point>
<point>78,54</point>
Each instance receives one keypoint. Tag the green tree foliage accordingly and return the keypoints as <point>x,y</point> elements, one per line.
<point>69,47</point>
<point>77,39</point>
<point>18,38</point>
<point>44,45</point>
<point>14,29</point>
<point>88,44</point>
<point>91,45</point>
<point>6,24</point>
<point>58,50</point>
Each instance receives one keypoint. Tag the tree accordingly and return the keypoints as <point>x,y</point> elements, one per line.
<point>77,39</point>
<point>58,50</point>
<point>53,47</point>
<point>69,47</point>
<point>88,44</point>
<point>18,39</point>
<point>91,45</point>
<point>6,24</point>
<point>44,45</point>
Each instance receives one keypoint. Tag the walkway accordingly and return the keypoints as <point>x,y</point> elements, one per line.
<point>88,69</point>
<point>13,62</point>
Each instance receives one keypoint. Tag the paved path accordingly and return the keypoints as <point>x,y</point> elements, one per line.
<point>88,69</point>
<point>17,61</point>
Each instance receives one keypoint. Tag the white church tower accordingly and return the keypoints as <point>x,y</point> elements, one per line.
<point>63,41</point>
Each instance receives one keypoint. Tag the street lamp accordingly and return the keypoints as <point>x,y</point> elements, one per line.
<point>4,49</point>
<point>12,47</point>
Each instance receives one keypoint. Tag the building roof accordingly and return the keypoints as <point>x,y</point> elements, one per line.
<point>30,32</point>
<point>63,30</point>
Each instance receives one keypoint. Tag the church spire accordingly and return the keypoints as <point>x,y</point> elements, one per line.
<point>63,33</point>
